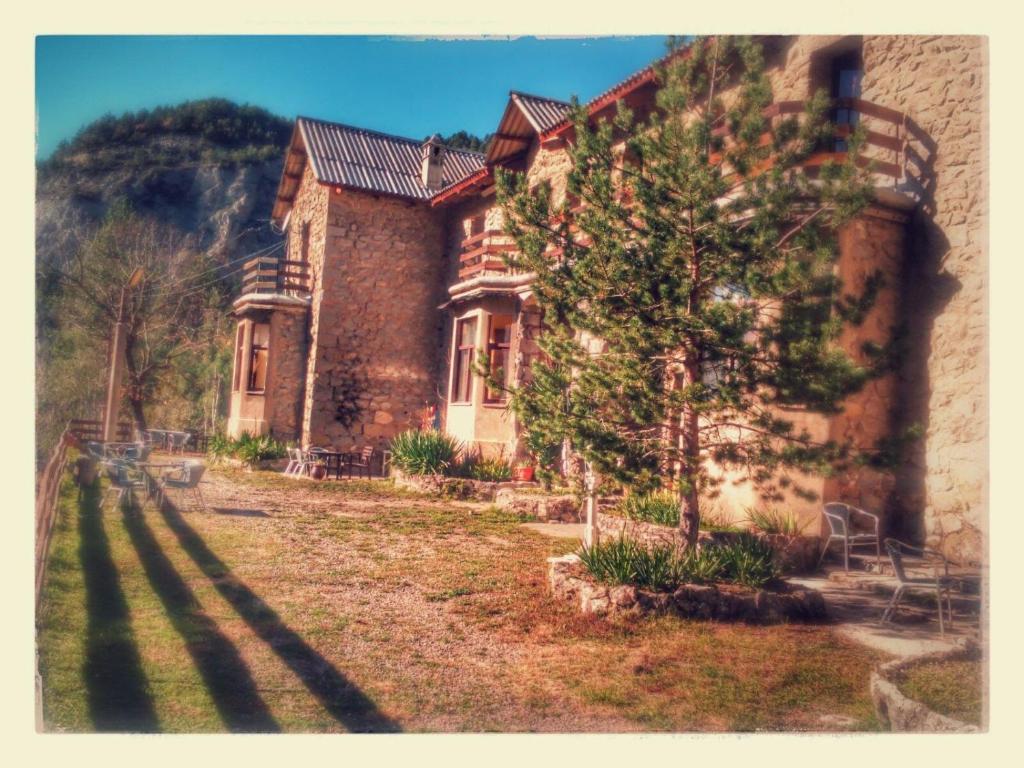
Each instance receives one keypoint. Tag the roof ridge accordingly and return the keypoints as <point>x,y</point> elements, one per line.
<point>382,134</point>
<point>541,98</point>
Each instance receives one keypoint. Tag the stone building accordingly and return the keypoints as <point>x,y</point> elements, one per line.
<point>394,276</point>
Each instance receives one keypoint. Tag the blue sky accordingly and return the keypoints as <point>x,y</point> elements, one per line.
<point>407,86</point>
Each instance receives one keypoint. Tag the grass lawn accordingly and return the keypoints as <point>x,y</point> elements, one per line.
<point>951,688</point>
<point>293,605</point>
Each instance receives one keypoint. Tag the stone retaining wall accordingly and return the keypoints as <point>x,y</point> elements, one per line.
<point>550,509</point>
<point>454,487</point>
<point>569,580</point>
<point>903,714</point>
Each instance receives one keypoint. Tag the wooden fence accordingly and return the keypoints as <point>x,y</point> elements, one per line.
<point>90,429</point>
<point>47,493</point>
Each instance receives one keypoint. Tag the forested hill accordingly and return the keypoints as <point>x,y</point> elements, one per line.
<point>209,167</point>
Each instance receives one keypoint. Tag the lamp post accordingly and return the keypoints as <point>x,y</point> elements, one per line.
<point>117,364</point>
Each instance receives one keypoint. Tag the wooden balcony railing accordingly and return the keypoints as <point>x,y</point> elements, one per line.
<point>887,134</point>
<point>270,275</point>
<point>483,252</point>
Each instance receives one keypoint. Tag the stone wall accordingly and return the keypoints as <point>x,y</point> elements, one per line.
<point>941,83</point>
<point>286,374</point>
<point>376,323</point>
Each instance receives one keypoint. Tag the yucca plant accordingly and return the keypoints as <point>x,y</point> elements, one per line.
<point>425,452</point>
<point>775,520</point>
<point>253,450</point>
<point>220,447</point>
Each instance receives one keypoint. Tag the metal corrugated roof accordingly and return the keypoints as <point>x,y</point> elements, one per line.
<point>525,116</point>
<point>377,162</point>
<point>543,113</point>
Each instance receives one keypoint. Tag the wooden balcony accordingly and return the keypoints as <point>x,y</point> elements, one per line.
<point>484,253</point>
<point>268,275</point>
<point>888,136</point>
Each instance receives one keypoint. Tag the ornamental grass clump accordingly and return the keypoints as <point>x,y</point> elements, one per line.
<point>775,521</point>
<point>746,561</point>
<point>490,470</point>
<point>626,561</point>
<point>660,507</point>
<point>425,452</point>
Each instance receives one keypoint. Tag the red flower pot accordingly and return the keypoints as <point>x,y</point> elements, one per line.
<point>524,473</point>
<point>318,471</point>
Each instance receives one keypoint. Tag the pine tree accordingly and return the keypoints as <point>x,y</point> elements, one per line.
<point>687,283</point>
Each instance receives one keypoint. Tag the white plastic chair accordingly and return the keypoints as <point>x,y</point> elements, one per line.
<point>840,518</point>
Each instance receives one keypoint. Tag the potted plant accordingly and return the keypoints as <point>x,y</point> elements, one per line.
<point>524,472</point>
<point>318,470</point>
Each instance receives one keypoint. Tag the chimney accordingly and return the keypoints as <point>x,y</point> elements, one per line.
<point>432,162</point>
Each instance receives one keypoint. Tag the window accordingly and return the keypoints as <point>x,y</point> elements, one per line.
<point>499,339</point>
<point>259,357</point>
<point>304,253</point>
<point>847,74</point>
<point>465,346</point>
<point>239,342</point>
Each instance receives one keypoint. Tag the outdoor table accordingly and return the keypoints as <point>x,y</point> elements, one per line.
<point>331,459</point>
<point>163,436</point>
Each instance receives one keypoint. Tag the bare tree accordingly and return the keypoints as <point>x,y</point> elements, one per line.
<point>163,312</point>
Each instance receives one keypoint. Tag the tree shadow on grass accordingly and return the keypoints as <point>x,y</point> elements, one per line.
<point>342,698</point>
<point>117,689</point>
<point>225,673</point>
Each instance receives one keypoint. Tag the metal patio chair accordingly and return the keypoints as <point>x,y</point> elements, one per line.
<point>124,479</point>
<point>841,521</point>
<point>361,460</point>
<point>939,584</point>
<point>187,479</point>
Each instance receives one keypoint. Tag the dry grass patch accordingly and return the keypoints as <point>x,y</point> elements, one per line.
<point>951,688</point>
<point>353,606</point>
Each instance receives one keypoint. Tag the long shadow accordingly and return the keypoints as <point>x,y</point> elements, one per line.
<point>226,675</point>
<point>117,689</point>
<point>342,698</point>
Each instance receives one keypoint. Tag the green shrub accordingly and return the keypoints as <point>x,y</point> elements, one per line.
<point>775,520</point>
<point>661,507</point>
<point>425,452</point>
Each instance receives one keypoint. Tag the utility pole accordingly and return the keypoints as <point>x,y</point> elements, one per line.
<point>117,364</point>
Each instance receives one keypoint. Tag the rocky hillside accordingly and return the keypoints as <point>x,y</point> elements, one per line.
<point>208,167</point>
